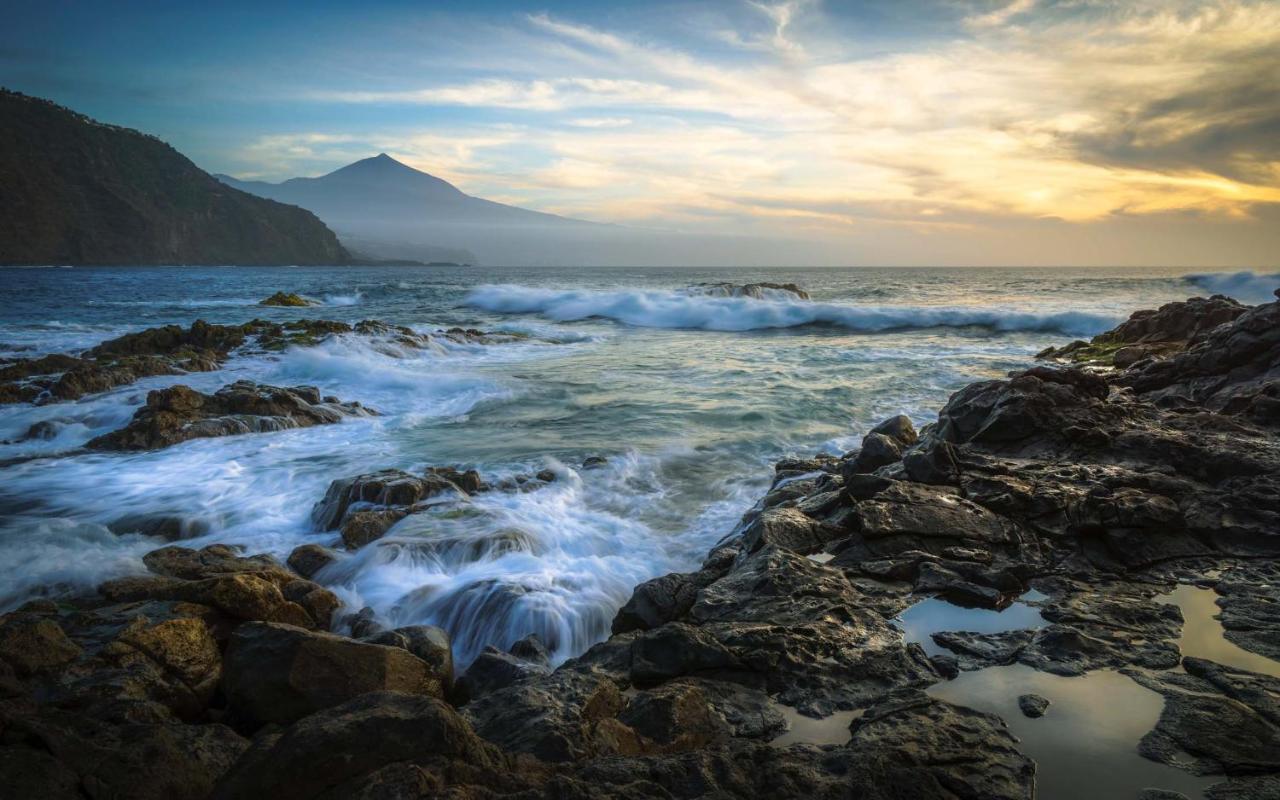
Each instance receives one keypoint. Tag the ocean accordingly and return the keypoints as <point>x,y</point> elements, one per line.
<point>690,397</point>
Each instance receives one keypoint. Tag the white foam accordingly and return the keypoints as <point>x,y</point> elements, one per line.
<point>53,556</point>
<point>1245,286</point>
<point>558,561</point>
<point>672,309</point>
<point>351,299</point>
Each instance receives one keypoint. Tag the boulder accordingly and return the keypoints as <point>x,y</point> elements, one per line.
<point>281,673</point>
<point>31,644</point>
<point>878,450</point>
<point>427,642</point>
<point>58,754</point>
<point>387,490</point>
<point>659,601</point>
<point>333,752</point>
<point>899,429</point>
<point>788,528</point>
<point>362,527</point>
<point>308,559</point>
<point>1152,333</point>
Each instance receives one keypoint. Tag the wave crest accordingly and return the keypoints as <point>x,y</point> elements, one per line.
<point>667,309</point>
<point>1246,286</point>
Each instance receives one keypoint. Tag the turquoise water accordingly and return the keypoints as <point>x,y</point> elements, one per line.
<point>690,397</point>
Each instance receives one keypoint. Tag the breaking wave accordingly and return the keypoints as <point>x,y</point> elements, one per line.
<point>344,299</point>
<point>668,309</point>
<point>1245,286</point>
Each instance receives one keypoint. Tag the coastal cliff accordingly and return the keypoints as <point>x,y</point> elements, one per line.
<point>76,191</point>
<point>217,674</point>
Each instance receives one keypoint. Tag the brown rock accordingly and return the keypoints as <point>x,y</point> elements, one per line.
<point>31,644</point>
<point>281,673</point>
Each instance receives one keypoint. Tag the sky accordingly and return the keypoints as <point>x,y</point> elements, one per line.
<point>945,132</point>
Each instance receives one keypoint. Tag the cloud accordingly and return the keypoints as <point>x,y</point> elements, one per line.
<point>600,122</point>
<point>1080,113</point>
<point>1000,16</point>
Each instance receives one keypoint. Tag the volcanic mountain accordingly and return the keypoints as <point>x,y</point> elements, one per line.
<point>387,208</point>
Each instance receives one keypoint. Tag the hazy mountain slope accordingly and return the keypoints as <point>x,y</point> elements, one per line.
<point>76,191</point>
<point>391,207</point>
<point>379,189</point>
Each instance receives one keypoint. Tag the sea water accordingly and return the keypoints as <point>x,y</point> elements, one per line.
<point>690,397</point>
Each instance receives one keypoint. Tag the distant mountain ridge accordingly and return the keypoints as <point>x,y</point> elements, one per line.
<point>77,191</point>
<point>394,209</point>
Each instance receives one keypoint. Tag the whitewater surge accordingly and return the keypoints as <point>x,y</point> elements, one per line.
<point>681,310</point>
<point>1245,286</point>
<point>606,363</point>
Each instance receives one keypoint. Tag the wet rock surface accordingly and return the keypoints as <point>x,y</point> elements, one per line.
<point>287,299</point>
<point>204,347</point>
<point>1100,490</point>
<point>179,413</point>
<point>1151,333</point>
<point>169,350</point>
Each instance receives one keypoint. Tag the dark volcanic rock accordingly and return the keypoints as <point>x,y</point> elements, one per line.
<point>493,670</point>
<point>280,673</point>
<point>1033,705</point>
<point>366,506</point>
<point>180,413</point>
<point>339,751</point>
<point>167,350</point>
<point>1146,334</point>
<point>1224,720</point>
<point>1101,490</point>
<point>56,754</point>
<point>253,588</point>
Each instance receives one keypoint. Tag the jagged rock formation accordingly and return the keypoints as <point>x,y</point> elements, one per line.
<point>1167,330</point>
<point>1093,487</point>
<point>77,191</point>
<point>180,413</point>
<point>172,350</point>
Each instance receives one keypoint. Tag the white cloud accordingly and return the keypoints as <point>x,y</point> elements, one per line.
<point>1014,120</point>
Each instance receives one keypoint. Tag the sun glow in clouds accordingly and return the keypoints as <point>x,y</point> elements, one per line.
<point>1072,116</point>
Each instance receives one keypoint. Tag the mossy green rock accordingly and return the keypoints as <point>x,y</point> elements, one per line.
<point>288,299</point>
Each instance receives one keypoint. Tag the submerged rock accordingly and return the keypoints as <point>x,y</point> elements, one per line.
<point>180,413</point>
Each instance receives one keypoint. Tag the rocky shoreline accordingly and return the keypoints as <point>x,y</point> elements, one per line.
<point>1102,480</point>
